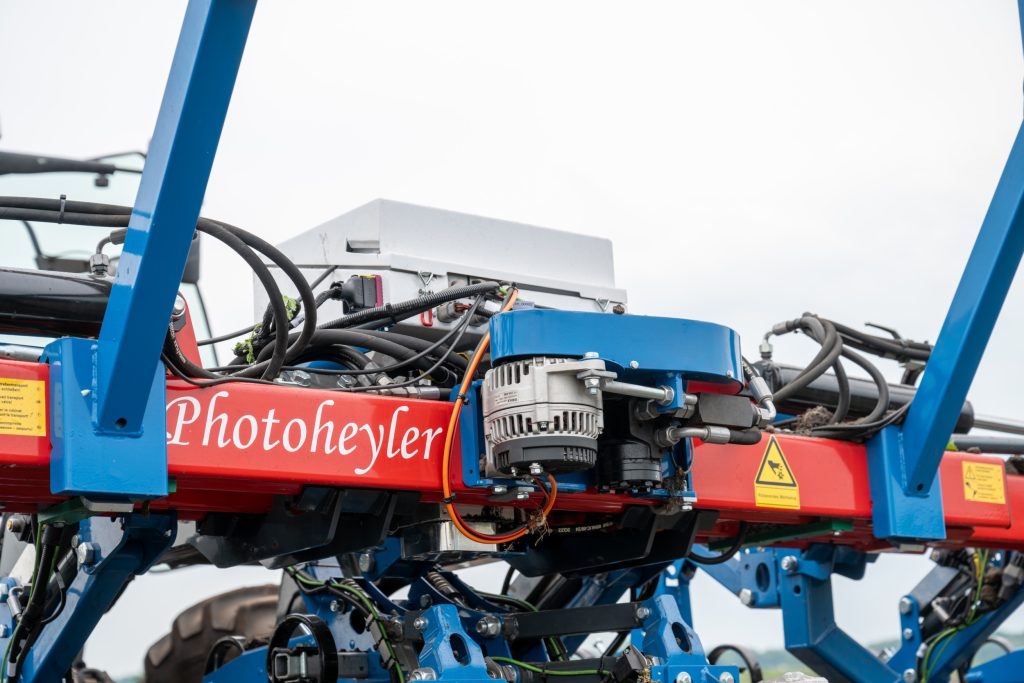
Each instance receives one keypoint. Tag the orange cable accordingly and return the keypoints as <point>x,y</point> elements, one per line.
<point>449,442</point>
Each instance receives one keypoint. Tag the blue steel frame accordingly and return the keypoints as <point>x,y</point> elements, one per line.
<point>800,583</point>
<point>111,412</point>
<point>96,411</point>
<point>904,461</point>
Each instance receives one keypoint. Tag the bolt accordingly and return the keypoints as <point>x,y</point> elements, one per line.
<point>514,471</point>
<point>590,354</point>
<point>179,307</point>
<point>633,364</point>
<point>747,597</point>
<point>365,562</point>
<point>908,634</point>
<point>618,309</point>
<point>726,678</point>
<point>489,626</point>
<point>593,384</point>
<point>789,563</point>
<point>86,553</point>
<point>905,605</point>
<point>535,469</point>
<point>643,612</point>
<point>419,623</point>
<point>522,495</point>
<point>16,524</point>
<point>909,676</point>
<point>5,630</point>
<point>499,489</point>
<point>424,674</point>
<point>683,677</point>
<point>335,606</point>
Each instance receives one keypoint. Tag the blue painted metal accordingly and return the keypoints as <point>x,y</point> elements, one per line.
<point>1005,669</point>
<point>449,650</point>
<point>170,195</point>
<point>896,514</point>
<point>695,350</point>
<point>755,570</point>
<point>676,647</point>
<point>124,547</point>
<point>967,328</point>
<point>809,622</point>
<point>102,465</point>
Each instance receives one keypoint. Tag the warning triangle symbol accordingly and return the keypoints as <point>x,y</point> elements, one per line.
<point>774,470</point>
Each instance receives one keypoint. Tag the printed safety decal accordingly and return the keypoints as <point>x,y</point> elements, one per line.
<point>775,485</point>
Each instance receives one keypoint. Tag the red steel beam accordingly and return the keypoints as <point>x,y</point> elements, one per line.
<point>231,447</point>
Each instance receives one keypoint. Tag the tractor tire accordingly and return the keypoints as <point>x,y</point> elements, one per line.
<point>180,656</point>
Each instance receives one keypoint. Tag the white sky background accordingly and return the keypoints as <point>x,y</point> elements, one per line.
<point>750,161</point>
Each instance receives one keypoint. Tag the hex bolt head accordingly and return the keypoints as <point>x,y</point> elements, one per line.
<point>590,354</point>
<point>633,364</point>
<point>643,612</point>
<point>179,307</point>
<point>419,623</point>
<point>683,677</point>
<point>423,674</point>
<point>747,596</point>
<point>86,554</point>
<point>489,626</point>
<point>335,606</point>
<point>908,634</point>
<point>365,562</point>
<point>522,495</point>
<point>726,678</point>
<point>789,563</point>
<point>535,469</point>
<point>905,605</point>
<point>909,676</point>
<point>499,489</point>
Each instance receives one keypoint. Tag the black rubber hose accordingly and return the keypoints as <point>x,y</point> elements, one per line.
<point>819,328</point>
<point>397,311</point>
<point>727,554</point>
<point>292,272</point>
<point>882,404</point>
<point>831,348</point>
<point>421,345</point>
<point>329,338</point>
<point>279,349</point>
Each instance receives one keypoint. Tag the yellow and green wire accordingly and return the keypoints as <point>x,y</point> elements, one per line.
<point>365,601</point>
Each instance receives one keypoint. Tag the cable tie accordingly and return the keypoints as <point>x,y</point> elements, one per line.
<point>449,500</point>
<point>63,202</point>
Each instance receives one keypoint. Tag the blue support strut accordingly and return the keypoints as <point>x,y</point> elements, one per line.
<point>968,326</point>
<point>167,206</point>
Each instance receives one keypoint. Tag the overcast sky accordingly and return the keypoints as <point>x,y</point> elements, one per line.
<point>750,161</point>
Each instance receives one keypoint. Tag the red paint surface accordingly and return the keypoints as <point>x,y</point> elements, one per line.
<point>233,446</point>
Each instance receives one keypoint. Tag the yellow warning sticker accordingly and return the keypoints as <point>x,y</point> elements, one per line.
<point>983,482</point>
<point>22,407</point>
<point>775,485</point>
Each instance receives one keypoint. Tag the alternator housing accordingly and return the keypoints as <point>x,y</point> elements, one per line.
<point>536,411</point>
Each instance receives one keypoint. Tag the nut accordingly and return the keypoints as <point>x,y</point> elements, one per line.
<point>86,553</point>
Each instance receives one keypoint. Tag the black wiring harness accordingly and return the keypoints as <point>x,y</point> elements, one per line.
<point>289,336</point>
